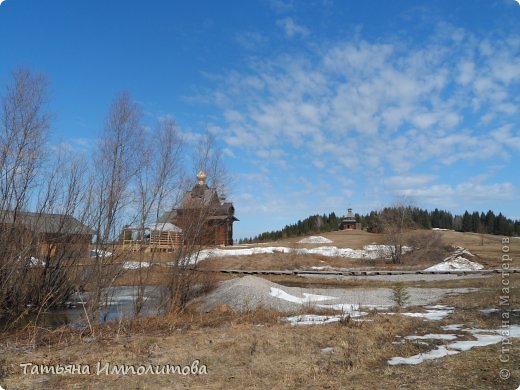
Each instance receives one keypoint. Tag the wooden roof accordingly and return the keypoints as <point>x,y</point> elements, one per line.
<point>45,223</point>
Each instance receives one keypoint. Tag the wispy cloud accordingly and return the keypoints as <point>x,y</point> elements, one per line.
<point>282,5</point>
<point>463,193</point>
<point>394,117</point>
<point>291,28</point>
<point>250,40</point>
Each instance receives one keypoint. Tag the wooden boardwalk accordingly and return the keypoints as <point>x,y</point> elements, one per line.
<point>356,272</point>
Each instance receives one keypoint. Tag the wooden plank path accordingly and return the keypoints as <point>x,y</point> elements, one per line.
<point>356,272</point>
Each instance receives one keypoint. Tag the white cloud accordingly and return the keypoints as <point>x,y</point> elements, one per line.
<point>250,40</point>
<point>407,181</point>
<point>282,5</point>
<point>462,194</point>
<point>392,115</point>
<point>291,28</point>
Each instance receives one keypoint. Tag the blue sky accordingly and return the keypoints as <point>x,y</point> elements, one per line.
<point>318,105</point>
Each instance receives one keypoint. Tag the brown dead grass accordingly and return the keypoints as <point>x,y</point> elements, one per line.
<point>241,354</point>
<point>487,248</point>
<point>257,350</point>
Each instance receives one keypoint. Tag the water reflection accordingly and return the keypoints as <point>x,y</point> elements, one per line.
<point>120,303</point>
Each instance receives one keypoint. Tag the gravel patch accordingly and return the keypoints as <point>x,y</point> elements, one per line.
<point>400,278</point>
<point>251,292</point>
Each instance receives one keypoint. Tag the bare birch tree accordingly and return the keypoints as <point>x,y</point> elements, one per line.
<point>157,183</point>
<point>117,163</point>
<point>39,194</point>
<point>208,159</point>
<point>24,126</point>
<point>396,222</point>
<point>197,210</point>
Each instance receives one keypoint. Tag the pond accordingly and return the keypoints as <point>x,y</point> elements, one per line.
<point>120,304</point>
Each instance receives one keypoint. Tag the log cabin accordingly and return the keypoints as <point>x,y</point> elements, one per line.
<point>43,236</point>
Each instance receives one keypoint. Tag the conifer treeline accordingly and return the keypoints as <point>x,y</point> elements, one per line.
<point>313,224</point>
<point>423,219</point>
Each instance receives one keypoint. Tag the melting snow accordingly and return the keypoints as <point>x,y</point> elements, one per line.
<point>315,240</point>
<point>99,253</point>
<point>417,359</point>
<point>452,327</point>
<point>349,308</point>
<point>489,311</point>
<point>483,338</point>
<point>135,264</point>
<point>308,298</point>
<point>312,319</point>
<point>35,262</point>
<point>433,336</point>
<point>343,307</point>
<point>322,268</point>
<point>457,262</point>
<point>433,313</point>
<point>368,252</point>
<point>315,319</point>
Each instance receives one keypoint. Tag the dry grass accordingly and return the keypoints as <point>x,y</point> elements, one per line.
<point>241,354</point>
<point>257,350</point>
<point>487,248</point>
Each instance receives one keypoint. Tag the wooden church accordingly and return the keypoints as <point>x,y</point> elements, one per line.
<point>349,223</point>
<point>204,217</point>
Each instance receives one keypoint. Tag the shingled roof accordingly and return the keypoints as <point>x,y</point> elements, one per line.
<point>45,223</point>
<point>201,196</point>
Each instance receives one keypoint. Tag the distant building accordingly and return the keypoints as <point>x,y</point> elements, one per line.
<point>44,235</point>
<point>349,223</point>
<point>204,217</point>
<point>156,237</point>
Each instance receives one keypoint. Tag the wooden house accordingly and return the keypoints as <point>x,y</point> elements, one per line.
<point>204,217</point>
<point>43,236</point>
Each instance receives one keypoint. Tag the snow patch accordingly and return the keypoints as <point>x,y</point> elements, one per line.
<point>315,240</point>
<point>315,319</point>
<point>99,253</point>
<point>456,264</point>
<point>307,298</point>
<point>368,252</point>
<point>452,327</point>
<point>433,313</point>
<point>483,338</point>
<point>136,264</point>
<point>35,262</point>
<point>489,310</point>
<point>322,268</point>
<point>433,336</point>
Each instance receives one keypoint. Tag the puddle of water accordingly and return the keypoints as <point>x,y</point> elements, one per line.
<point>120,305</point>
